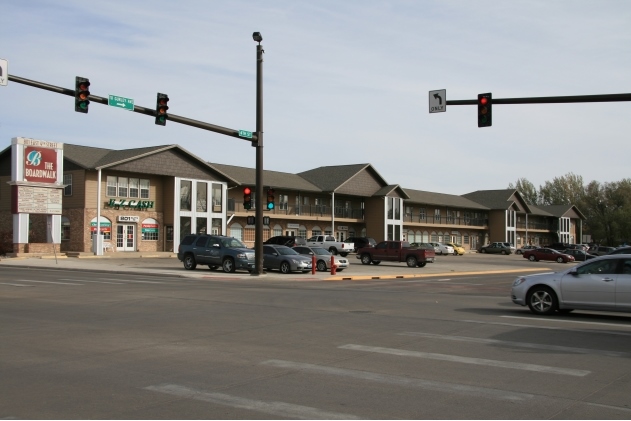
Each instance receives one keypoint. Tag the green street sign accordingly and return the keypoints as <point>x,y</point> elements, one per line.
<point>245,133</point>
<point>120,102</point>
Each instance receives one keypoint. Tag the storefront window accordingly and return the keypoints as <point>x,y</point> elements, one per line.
<point>150,230</point>
<point>105,225</point>
<point>65,228</point>
<point>185,195</point>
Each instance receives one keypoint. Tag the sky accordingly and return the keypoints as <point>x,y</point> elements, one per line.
<point>343,83</point>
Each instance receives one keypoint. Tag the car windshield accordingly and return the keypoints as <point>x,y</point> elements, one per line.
<point>232,243</point>
<point>286,251</point>
<point>320,251</point>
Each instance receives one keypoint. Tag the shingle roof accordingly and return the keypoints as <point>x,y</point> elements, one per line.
<point>385,190</point>
<point>493,199</point>
<point>90,157</point>
<point>331,178</point>
<point>274,179</point>
<point>441,199</point>
<point>561,210</point>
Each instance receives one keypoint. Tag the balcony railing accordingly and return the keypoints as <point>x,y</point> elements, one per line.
<point>536,226</point>
<point>440,220</point>
<point>303,210</point>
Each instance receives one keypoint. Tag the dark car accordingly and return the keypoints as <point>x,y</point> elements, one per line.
<point>545,253</point>
<point>621,250</point>
<point>497,248</point>
<point>215,251</point>
<point>285,259</point>
<point>579,255</point>
<point>287,240</point>
<point>360,242</point>
<point>600,250</point>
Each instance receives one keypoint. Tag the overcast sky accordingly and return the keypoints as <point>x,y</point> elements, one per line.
<point>345,82</point>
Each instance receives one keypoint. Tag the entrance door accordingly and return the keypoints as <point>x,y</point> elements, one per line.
<point>291,233</point>
<point>125,238</point>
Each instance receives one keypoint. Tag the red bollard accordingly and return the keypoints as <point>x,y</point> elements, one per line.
<point>333,267</point>
<point>313,264</point>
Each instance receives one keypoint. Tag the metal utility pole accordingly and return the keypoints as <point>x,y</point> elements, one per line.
<point>258,144</point>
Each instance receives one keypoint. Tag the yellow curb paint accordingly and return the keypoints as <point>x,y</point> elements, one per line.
<point>429,275</point>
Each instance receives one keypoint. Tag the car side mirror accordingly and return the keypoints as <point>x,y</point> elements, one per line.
<point>573,272</point>
<point>216,245</point>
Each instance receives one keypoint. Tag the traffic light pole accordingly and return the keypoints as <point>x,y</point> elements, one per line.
<point>137,109</point>
<point>258,197</point>
<point>548,99</point>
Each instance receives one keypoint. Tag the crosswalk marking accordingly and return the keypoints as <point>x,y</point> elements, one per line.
<point>97,282</point>
<point>477,391</point>
<point>519,344</point>
<point>45,282</point>
<point>275,408</point>
<point>467,360</point>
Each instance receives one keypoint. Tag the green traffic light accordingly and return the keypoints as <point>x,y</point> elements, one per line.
<point>270,205</point>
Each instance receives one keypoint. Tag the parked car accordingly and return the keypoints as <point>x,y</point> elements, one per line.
<point>558,246</point>
<point>395,251</point>
<point>287,240</point>
<point>600,250</point>
<point>458,249</point>
<point>443,248</point>
<point>621,250</point>
<point>579,255</point>
<point>323,258</point>
<point>511,246</point>
<point>361,242</point>
<point>544,253</point>
<point>524,248</point>
<point>284,259</point>
<point>496,248</point>
<point>215,251</point>
<point>597,284</point>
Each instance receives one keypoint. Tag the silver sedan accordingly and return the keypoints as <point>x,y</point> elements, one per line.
<point>603,283</point>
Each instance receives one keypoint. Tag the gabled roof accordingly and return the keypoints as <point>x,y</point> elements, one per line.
<point>561,210</point>
<point>386,190</point>
<point>273,179</point>
<point>497,199</point>
<point>441,199</point>
<point>331,178</point>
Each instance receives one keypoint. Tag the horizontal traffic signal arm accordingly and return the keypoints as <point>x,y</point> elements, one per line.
<point>137,109</point>
<point>548,99</point>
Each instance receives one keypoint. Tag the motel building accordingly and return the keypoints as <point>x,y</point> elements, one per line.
<point>55,197</point>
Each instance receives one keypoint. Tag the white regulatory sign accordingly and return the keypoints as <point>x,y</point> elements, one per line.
<point>4,72</point>
<point>438,101</point>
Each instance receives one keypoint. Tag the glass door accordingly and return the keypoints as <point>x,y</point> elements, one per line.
<point>125,237</point>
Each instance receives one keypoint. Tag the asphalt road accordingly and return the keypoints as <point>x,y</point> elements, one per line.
<point>79,344</point>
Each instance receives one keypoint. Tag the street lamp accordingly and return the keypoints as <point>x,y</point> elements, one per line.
<point>258,225</point>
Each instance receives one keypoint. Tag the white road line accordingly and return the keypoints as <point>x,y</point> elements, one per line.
<point>15,285</point>
<point>519,344</point>
<point>605,332</point>
<point>97,282</point>
<point>46,282</point>
<point>275,408</point>
<point>568,321</point>
<point>482,392</point>
<point>467,360</point>
<point>131,281</point>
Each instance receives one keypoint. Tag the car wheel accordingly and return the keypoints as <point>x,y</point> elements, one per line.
<point>483,251</point>
<point>376,262</point>
<point>518,252</point>
<point>333,251</point>
<point>421,264</point>
<point>189,262</point>
<point>343,254</point>
<point>532,258</point>
<point>542,301</point>
<point>228,266</point>
<point>411,261</point>
<point>321,266</point>
<point>560,260</point>
<point>366,259</point>
<point>285,268</point>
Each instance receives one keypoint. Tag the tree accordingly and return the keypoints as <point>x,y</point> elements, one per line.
<point>526,189</point>
<point>566,190</point>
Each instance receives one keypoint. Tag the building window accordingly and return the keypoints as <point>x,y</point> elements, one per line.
<point>278,231</point>
<point>112,183</point>
<point>217,197</point>
<point>122,187</point>
<point>283,200</point>
<point>436,215</point>
<point>185,226</point>
<point>316,231</point>
<point>302,231</point>
<point>144,189</point>
<point>185,195</point>
<point>65,227</point>
<point>202,197</point>
<point>133,187</point>
<point>421,215</point>
<point>150,230</point>
<point>201,225</point>
<point>236,231</point>
<point>68,183</point>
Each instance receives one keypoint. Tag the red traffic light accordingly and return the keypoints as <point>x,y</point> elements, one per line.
<point>246,190</point>
<point>483,100</point>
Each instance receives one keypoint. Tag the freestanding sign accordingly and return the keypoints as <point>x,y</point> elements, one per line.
<point>438,101</point>
<point>4,72</point>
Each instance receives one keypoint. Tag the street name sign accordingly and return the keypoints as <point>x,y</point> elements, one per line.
<point>121,102</point>
<point>4,72</point>
<point>245,133</point>
<point>438,101</point>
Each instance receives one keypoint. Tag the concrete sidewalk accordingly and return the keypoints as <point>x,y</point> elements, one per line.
<point>166,263</point>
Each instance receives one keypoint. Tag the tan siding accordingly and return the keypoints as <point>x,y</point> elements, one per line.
<point>363,184</point>
<point>168,200</point>
<point>497,225</point>
<point>375,217</point>
<point>77,199</point>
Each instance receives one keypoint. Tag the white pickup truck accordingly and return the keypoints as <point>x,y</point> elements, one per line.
<point>328,242</point>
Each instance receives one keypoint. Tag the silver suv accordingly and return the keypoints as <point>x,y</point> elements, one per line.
<point>215,251</point>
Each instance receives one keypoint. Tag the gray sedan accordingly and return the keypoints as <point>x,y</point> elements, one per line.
<point>603,283</point>
<point>284,259</point>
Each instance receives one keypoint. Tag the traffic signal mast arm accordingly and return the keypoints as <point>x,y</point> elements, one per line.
<point>137,109</point>
<point>548,99</point>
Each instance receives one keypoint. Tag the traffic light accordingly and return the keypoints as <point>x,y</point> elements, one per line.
<point>270,199</point>
<point>247,198</point>
<point>485,102</point>
<point>81,94</point>
<point>161,109</point>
